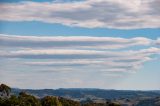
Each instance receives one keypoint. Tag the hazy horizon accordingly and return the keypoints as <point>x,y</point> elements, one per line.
<point>88,88</point>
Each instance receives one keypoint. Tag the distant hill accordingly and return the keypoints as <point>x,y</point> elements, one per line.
<point>8,98</point>
<point>77,97</point>
<point>101,96</point>
<point>79,93</point>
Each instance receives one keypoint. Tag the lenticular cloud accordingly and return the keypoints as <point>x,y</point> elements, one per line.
<point>93,53</point>
<point>117,14</point>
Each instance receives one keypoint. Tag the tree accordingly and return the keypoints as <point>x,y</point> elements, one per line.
<point>67,102</point>
<point>12,101</point>
<point>5,90</point>
<point>50,101</point>
<point>28,100</point>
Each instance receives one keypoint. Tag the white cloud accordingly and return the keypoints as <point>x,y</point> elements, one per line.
<point>63,59</point>
<point>71,53</point>
<point>118,14</point>
<point>158,41</point>
<point>72,42</point>
<point>106,54</point>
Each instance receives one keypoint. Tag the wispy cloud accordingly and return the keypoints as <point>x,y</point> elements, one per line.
<point>73,42</point>
<point>118,14</point>
<point>105,54</point>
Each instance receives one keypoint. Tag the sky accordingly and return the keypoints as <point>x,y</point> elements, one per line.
<point>107,44</point>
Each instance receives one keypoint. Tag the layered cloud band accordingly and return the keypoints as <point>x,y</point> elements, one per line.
<point>118,14</point>
<point>96,53</point>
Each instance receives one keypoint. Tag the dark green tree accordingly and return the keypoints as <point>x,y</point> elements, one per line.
<point>50,101</point>
<point>5,89</point>
<point>28,100</point>
<point>12,101</point>
<point>67,102</point>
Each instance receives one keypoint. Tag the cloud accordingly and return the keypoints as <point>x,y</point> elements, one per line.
<point>63,59</point>
<point>158,41</point>
<point>106,54</point>
<point>62,53</point>
<point>118,14</point>
<point>103,65</point>
<point>72,42</point>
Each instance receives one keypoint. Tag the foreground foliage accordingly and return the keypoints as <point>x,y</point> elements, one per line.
<point>28,100</point>
<point>25,99</point>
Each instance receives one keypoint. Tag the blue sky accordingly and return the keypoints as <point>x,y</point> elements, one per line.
<point>85,44</point>
<point>41,29</point>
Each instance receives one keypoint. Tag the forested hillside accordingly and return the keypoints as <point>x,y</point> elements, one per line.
<point>77,97</point>
<point>25,99</point>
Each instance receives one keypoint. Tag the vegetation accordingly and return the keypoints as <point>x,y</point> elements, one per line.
<point>67,102</point>
<point>25,99</point>
<point>81,93</point>
<point>28,100</point>
<point>50,101</point>
<point>4,89</point>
